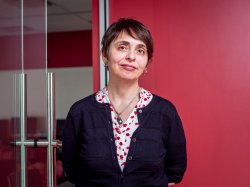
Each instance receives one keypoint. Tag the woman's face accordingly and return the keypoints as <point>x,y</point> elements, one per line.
<point>127,58</point>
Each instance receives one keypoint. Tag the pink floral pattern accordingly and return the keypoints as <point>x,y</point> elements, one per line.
<point>123,133</point>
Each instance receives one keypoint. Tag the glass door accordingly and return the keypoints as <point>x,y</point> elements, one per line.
<point>10,65</point>
<point>27,97</point>
<point>33,151</point>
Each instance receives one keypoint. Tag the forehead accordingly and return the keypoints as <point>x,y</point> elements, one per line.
<point>125,37</point>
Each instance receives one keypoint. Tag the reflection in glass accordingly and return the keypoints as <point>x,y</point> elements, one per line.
<point>10,65</point>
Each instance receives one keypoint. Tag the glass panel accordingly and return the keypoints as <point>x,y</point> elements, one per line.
<point>36,167</point>
<point>23,50</point>
<point>70,58</point>
<point>10,65</point>
<point>35,67</point>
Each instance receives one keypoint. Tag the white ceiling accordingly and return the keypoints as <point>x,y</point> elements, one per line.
<point>62,15</point>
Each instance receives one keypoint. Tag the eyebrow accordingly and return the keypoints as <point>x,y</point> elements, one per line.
<point>127,43</point>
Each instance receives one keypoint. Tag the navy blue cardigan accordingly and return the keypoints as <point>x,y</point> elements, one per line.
<point>157,153</point>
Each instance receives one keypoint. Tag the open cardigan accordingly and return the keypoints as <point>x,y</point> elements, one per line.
<point>157,152</point>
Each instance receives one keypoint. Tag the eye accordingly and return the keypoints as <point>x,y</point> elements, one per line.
<point>141,51</point>
<point>122,47</point>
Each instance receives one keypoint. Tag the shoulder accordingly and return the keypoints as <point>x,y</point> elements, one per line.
<point>163,105</point>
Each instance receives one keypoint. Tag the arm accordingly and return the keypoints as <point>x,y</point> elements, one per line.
<point>176,158</point>
<point>70,150</point>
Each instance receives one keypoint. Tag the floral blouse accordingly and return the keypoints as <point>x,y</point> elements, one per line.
<point>124,132</point>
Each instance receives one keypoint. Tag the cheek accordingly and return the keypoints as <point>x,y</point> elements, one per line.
<point>143,64</point>
<point>116,57</point>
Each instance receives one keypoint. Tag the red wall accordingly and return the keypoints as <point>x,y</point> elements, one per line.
<point>65,49</point>
<point>201,63</point>
<point>70,49</point>
<point>10,52</point>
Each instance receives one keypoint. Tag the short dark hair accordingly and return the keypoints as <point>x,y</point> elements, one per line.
<point>134,28</point>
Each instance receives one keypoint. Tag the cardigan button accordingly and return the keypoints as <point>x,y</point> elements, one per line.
<point>140,111</point>
<point>134,139</point>
<point>130,158</point>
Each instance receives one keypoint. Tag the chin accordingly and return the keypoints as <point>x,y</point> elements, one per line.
<point>129,78</point>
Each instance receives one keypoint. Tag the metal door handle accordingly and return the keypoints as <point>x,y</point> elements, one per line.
<point>37,143</point>
<point>51,125</point>
<point>50,143</point>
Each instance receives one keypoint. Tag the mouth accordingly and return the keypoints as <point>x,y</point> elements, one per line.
<point>128,67</point>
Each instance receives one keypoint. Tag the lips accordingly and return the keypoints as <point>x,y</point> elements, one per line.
<point>128,67</point>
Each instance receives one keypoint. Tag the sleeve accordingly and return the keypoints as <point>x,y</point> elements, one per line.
<point>70,148</point>
<point>176,158</point>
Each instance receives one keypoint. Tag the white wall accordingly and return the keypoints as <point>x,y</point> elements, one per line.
<point>72,84</point>
<point>7,94</point>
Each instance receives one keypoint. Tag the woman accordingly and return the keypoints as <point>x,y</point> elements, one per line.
<point>124,135</point>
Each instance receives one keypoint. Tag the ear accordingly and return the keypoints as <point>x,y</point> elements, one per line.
<point>104,58</point>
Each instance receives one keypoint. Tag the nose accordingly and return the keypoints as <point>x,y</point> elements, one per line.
<point>130,56</point>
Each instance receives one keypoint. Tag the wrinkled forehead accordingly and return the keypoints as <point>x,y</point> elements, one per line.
<point>128,36</point>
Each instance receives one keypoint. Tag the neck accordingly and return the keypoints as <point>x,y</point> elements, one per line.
<point>123,97</point>
<point>120,91</point>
